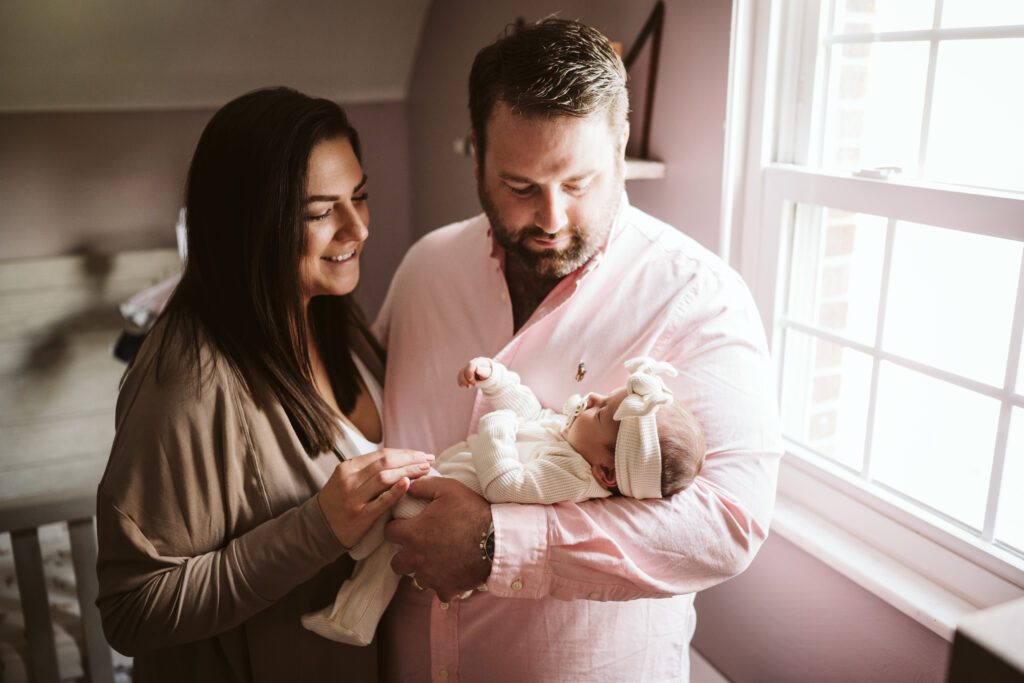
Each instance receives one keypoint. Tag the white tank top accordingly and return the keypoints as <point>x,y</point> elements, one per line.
<point>363,445</point>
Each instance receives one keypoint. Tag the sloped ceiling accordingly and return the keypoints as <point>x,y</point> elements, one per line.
<point>89,55</point>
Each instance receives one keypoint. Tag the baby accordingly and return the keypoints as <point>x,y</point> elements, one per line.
<point>635,442</point>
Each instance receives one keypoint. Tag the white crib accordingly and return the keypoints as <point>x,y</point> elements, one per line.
<point>54,590</point>
<point>58,386</point>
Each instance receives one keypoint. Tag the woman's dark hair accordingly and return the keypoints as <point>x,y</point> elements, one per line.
<point>245,205</point>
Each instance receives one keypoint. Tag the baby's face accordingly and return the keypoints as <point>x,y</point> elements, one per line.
<point>592,434</point>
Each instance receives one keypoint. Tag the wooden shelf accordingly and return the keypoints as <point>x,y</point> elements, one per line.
<point>644,169</point>
<point>636,169</point>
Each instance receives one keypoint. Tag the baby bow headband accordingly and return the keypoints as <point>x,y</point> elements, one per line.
<point>637,453</point>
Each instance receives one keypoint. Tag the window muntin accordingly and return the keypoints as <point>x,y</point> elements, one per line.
<point>786,202</point>
<point>895,348</point>
<point>913,90</point>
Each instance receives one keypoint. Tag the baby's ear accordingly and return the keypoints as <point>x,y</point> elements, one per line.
<point>605,475</point>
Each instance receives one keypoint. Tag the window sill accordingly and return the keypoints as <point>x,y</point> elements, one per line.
<point>938,592</point>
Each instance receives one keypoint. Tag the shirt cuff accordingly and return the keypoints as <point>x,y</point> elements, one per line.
<point>520,551</point>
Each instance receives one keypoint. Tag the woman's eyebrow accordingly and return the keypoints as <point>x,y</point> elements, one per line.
<point>333,197</point>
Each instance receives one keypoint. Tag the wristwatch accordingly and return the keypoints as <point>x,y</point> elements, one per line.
<point>487,544</point>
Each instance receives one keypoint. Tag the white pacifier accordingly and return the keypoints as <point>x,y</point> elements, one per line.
<point>574,405</point>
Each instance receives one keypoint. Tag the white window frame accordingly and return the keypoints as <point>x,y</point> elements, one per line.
<point>934,573</point>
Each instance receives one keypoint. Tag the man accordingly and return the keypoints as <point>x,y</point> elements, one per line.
<point>562,281</point>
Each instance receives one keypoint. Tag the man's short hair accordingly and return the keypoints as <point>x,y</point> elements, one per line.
<point>682,443</point>
<point>554,67</point>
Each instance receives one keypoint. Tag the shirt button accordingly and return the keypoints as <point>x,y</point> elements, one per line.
<point>443,673</point>
<point>595,595</point>
<point>444,605</point>
<point>517,585</point>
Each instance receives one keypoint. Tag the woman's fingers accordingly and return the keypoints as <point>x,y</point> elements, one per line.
<point>380,470</point>
<point>363,488</point>
<point>350,513</point>
<point>376,483</point>
<point>388,458</point>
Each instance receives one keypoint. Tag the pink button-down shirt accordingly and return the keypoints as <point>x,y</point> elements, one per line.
<point>600,590</point>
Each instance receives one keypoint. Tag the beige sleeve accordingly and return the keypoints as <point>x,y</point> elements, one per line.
<point>188,545</point>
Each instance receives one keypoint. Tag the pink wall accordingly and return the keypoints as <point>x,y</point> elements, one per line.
<point>689,114</point>
<point>789,618</point>
<point>101,182</point>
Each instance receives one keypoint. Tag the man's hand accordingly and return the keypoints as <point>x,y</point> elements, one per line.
<point>442,543</point>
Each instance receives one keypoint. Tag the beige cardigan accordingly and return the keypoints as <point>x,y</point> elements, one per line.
<point>211,542</point>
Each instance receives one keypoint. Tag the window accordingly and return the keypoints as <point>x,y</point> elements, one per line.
<point>881,227</point>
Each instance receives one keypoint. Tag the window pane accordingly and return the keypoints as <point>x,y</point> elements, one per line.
<point>868,16</point>
<point>1010,517</point>
<point>934,441</point>
<point>961,13</point>
<point>951,300</point>
<point>975,135</point>
<point>875,105</point>
<point>836,271</point>
<point>825,397</point>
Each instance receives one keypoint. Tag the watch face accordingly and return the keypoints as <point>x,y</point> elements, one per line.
<point>487,544</point>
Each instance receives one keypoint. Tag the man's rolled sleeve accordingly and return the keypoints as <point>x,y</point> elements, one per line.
<point>520,551</point>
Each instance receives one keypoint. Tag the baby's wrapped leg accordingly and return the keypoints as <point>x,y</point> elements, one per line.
<point>360,601</point>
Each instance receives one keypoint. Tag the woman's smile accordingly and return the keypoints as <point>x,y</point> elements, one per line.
<point>337,219</point>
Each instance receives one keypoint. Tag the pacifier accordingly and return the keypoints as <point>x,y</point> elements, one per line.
<point>574,405</point>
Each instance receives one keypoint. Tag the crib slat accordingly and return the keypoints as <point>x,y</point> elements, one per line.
<point>28,567</point>
<point>83,554</point>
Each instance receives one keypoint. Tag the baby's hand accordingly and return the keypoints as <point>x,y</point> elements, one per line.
<point>475,371</point>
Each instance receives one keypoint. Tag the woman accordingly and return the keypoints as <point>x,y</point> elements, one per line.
<point>235,482</point>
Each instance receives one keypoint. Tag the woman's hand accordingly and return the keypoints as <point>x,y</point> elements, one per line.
<point>362,489</point>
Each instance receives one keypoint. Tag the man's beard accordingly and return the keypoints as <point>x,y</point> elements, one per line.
<point>548,263</point>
